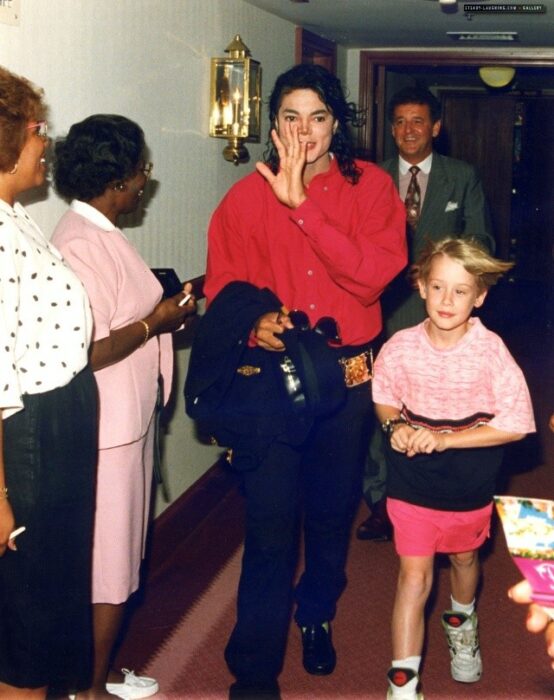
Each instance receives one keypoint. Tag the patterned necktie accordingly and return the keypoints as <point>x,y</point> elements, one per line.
<point>413,198</point>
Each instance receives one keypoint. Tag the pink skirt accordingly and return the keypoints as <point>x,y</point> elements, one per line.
<point>124,486</point>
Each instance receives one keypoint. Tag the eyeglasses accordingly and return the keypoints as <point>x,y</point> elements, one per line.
<point>326,326</point>
<point>146,169</point>
<point>41,128</point>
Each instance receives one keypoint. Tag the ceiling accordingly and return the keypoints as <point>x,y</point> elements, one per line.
<point>413,23</point>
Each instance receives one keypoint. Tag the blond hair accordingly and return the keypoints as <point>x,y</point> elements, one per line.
<point>469,253</point>
<point>20,103</point>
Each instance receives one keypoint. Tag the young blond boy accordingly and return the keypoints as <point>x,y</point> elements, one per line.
<point>449,395</point>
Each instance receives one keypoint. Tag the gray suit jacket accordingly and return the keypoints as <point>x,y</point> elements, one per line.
<point>454,205</point>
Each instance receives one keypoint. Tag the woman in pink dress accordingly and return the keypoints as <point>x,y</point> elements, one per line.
<point>100,167</point>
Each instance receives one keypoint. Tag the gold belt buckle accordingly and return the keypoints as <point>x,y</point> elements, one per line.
<point>358,369</point>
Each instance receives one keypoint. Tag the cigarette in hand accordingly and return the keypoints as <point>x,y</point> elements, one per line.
<point>185,299</point>
<point>17,532</point>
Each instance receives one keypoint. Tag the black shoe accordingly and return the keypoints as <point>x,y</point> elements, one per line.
<point>374,529</point>
<point>254,691</point>
<point>377,527</point>
<point>319,657</point>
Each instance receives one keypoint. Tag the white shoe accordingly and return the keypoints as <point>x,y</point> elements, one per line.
<point>463,642</point>
<point>133,687</point>
<point>403,684</point>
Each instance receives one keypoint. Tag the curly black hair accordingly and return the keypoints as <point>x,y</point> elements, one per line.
<point>329,90</point>
<point>415,95</point>
<point>97,152</point>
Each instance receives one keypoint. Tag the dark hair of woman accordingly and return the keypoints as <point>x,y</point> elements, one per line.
<point>329,90</point>
<point>20,103</point>
<point>100,151</point>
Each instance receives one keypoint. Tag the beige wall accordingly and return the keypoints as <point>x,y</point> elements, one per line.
<point>150,60</point>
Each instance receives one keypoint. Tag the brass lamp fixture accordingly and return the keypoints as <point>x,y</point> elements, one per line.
<point>235,100</point>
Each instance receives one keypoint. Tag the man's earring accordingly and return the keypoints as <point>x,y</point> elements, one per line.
<point>14,169</point>
<point>120,187</point>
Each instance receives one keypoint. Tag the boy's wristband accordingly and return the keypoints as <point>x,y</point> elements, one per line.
<point>388,425</point>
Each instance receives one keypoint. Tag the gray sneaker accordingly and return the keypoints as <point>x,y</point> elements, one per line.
<point>463,643</point>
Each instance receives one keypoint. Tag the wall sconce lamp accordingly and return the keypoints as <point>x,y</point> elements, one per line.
<point>235,100</point>
<point>497,76</point>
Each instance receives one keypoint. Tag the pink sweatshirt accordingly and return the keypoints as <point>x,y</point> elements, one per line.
<point>478,375</point>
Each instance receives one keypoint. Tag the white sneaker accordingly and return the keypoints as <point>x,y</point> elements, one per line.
<point>133,687</point>
<point>403,684</point>
<point>463,642</point>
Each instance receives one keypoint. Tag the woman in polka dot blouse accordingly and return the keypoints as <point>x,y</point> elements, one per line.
<point>100,166</point>
<point>48,431</point>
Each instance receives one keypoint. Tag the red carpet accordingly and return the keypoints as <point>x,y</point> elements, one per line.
<point>179,630</point>
<point>190,662</point>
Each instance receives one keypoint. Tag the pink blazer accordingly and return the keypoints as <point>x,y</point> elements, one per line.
<point>121,289</point>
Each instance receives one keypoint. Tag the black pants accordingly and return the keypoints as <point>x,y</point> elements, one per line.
<point>322,480</point>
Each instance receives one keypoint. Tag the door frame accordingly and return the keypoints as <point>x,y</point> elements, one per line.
<point>312,48</point>
<point>373,65</point>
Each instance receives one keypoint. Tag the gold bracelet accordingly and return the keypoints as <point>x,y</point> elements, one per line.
<point>146,333</point>
<point>4,492</point>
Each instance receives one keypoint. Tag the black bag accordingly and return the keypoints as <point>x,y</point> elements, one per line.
<point>311,373</point>
<point>244,397</point>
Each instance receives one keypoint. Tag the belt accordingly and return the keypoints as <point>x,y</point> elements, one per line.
<point>358,369</point>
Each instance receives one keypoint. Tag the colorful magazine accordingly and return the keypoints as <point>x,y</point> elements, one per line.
<point>528,525</point>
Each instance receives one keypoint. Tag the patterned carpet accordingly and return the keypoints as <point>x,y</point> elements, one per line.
<point>186,612</point>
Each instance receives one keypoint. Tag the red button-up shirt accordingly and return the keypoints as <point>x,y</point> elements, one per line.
<point>331,256</point>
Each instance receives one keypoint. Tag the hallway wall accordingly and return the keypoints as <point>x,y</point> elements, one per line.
<point>150,60</point>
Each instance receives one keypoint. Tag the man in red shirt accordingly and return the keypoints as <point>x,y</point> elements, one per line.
<point>325,233</point>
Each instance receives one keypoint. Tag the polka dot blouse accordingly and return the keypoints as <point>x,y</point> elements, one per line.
<point>45,318</point>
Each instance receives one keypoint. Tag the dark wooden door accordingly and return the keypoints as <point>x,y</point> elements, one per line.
<point>312,48</point>
<point>510,138</point>
<point>533,198</point>
<point>480,130</point>
<point>532,232</point>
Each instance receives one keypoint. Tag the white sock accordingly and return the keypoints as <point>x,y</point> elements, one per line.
<point>411,662</point>
<point>462,607</point>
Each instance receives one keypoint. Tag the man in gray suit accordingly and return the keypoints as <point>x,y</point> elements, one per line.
<point>444,197</point>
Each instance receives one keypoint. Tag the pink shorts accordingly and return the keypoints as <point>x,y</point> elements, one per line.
<point>421,532</point>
